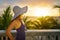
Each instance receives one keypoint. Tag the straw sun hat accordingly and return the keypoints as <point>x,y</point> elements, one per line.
<point>19,11</point>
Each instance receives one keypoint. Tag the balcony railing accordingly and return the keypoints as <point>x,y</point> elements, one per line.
<point>49,34</point>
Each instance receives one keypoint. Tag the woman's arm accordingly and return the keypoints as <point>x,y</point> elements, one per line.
<point>10,27</point>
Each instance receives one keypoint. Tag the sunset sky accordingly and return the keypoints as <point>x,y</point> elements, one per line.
<point>46,6</point>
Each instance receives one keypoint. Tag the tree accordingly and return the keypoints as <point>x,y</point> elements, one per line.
<point>57,6</point>
<point>6,18</point>
<point>46,23</point>
<point>42,23</point>
<point>0,22</point>
<point>27,22</point>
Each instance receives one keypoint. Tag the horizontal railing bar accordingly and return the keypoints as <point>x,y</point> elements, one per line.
<point>43,30</point>
<point>53,34</point>
<point>36,32</point>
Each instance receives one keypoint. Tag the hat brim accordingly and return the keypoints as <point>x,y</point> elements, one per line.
<point>20,11</point>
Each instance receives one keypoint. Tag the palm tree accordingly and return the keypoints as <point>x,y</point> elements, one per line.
<point>57,6</point>
<point>27,22</point>
<point>0,22</point>
<point>6,17</point>
<point>45,23</point>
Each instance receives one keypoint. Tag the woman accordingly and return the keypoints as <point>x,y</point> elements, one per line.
<point>17,24</point>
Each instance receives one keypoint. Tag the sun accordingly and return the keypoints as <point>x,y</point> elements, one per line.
<point>41,11</point>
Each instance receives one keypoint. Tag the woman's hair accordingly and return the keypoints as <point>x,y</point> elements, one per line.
<point>16,18</point>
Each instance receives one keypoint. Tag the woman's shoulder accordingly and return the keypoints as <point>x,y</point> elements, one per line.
<point>17,24</point>
<point>14,21</point>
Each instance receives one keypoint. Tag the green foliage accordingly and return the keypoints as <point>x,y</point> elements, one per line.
<point>27,22</point>
<point>42,23</point>
<point>6,18</point>
<point>0,22</point>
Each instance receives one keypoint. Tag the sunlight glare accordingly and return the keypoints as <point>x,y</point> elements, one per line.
<point>41,11</point>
